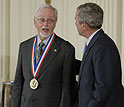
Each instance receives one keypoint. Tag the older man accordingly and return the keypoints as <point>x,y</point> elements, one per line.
<point>100,72</point>
<point>43,74</point>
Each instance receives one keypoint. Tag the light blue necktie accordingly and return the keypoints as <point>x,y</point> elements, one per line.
<point>85,48</point>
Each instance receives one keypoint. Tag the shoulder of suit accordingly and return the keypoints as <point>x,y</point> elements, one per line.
<point>27,41</point>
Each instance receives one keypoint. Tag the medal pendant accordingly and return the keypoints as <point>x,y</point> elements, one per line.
<point>33,84</point>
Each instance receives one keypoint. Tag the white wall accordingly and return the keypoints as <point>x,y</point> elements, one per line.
<point>122,40</point>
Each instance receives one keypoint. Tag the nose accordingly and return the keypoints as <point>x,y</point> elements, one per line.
<point>46,23</point>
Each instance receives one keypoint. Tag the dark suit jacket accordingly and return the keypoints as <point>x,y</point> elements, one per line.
<point>54,77</point>
<point>100,74</point>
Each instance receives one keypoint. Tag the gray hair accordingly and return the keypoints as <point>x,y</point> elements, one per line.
<point>92,14</point>
<point>46,6</point>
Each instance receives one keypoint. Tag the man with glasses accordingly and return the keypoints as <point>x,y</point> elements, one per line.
<point>43,74</point>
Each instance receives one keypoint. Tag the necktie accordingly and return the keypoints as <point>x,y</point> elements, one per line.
<point>39,51</point>
<point>85,48</point>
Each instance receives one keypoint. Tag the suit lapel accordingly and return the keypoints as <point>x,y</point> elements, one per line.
<point>29,53</point>
<point>50,56</point>
<point>92,42</point>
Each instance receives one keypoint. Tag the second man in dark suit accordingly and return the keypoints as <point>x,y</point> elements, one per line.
<point>100,79</point>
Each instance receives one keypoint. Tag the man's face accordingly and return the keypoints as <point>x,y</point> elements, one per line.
<point>45,22</point>
<point>78,25</point>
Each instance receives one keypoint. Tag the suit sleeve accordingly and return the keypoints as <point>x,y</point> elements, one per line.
<point>18,83</point>
<point>106,62</point>
<point>74,83</point>
<point>66,78</point>
<point>76,66</point>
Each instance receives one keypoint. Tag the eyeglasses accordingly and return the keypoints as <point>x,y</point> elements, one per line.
<point>42,20</point>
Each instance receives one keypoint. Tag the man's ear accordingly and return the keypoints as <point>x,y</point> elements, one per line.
<point>85,25</point>
<point>34,22</point>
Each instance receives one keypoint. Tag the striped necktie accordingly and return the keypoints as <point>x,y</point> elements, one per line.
<point>39,51</point>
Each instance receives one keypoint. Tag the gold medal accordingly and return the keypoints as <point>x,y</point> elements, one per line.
<point>33,84</point>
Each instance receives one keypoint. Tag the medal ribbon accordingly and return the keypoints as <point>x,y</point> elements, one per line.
<point>35,69</point>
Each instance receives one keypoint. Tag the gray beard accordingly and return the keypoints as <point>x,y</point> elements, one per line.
<point>44,36</point>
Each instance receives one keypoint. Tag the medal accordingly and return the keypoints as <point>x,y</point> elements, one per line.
<point>33,84</point>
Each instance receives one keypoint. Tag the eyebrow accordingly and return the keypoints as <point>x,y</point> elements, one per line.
<point>43,16</point>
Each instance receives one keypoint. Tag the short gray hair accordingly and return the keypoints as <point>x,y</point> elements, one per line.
<point>92,14</point>
<point>46,6</point>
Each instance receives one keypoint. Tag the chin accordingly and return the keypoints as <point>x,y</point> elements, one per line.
<point>44,36</point>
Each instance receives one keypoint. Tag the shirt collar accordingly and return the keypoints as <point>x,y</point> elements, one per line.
<point>89,39</point>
